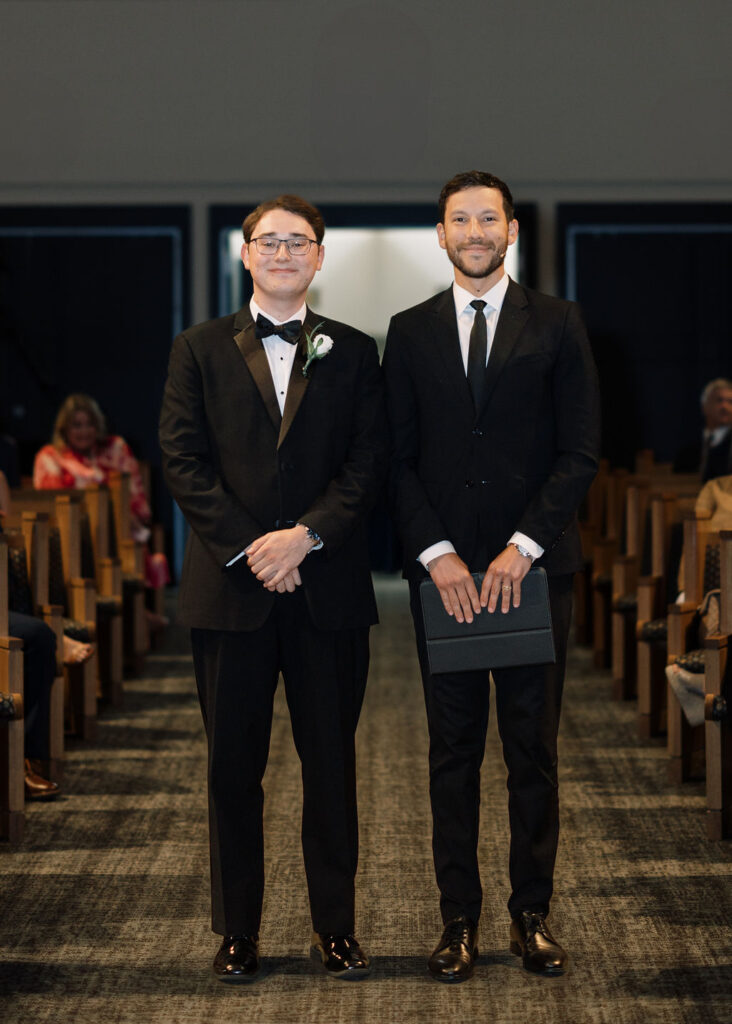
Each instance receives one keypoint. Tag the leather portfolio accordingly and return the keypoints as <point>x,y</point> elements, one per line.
<point>521,636</point>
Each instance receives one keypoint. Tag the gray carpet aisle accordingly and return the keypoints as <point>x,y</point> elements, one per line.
<point>105,905</point>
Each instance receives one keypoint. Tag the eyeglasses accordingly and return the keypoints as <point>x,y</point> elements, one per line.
<point>269,246</point>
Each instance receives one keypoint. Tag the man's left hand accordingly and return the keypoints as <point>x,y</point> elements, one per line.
<point>273,556</point>
<point>503,580</point>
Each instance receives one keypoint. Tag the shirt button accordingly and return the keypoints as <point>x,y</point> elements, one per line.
<point>470,483</point>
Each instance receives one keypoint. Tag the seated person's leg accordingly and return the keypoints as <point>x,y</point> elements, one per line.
<point>39,671</point>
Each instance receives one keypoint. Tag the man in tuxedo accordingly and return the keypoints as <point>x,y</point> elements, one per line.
<point>493,403</point>
<point>274,447</point>
<point>716,403</point>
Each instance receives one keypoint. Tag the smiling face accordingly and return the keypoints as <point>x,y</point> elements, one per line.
<point>476,235</point>
<point>81,432</point>
<point>281,281</point>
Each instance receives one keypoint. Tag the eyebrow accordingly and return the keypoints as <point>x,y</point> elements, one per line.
<point>290,234</point>
<point>488,209</point>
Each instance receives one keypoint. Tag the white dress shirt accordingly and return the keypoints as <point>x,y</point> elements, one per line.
<point>466,314</point>
<point>280,353</point>
<point>280,356</point>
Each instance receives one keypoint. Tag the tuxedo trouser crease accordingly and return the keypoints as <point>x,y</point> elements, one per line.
<point>528,701</point>
<point>324,673</point>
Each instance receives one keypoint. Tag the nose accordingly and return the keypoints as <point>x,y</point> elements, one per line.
<point>475,228</point>
<point>282,251</point>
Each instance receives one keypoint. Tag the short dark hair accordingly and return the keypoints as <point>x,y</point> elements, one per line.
<point>293,204</point>
<point>475,179</point>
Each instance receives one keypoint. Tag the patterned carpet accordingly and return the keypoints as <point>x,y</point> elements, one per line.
<point>105,911</point>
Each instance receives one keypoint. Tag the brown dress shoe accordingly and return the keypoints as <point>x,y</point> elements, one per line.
<point>454,958</point>
<point>36,787</point>
<point>237,960</point>
<point>341,956</point>
<point>535,944</point>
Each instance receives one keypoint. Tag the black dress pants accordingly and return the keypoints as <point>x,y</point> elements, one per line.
<point>528,701</point>
<point>39,672</point>
<point>324,674</point>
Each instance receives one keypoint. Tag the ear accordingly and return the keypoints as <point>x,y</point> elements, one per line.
<point>321,257</point>
<point>513,230</point>
<point>245,255</point>
<point>441,236</point>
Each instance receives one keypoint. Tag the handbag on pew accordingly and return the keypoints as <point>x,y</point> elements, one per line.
<point>521,636</point>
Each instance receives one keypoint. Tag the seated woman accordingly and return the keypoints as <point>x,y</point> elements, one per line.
<point>82,453</point>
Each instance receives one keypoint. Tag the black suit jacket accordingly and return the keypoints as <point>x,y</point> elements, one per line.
<point>523,461</point>
<point>238,469</point>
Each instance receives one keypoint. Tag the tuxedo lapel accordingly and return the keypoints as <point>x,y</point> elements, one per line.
<point>513,316</point>
<point>298,383</point>
<point>255,357</point>
<point>447,344</point>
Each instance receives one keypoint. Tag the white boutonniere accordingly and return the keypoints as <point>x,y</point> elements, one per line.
<point>318,345</point>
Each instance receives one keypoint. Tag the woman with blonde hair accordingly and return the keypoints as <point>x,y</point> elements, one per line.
<point>83,453</point>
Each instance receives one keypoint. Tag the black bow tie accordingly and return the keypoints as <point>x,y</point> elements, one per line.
<point>289,332</point>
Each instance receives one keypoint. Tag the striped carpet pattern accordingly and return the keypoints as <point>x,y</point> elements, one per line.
<point>105,910</point>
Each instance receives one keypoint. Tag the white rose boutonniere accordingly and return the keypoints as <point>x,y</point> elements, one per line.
<point>318,345</point>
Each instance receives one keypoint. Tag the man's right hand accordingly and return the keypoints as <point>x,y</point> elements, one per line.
<point>457,589</point>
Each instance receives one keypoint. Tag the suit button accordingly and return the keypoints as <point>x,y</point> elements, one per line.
<point>478,433</point>
<point>470,483</point>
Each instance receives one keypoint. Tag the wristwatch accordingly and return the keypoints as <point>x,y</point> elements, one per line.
<point>521,550</point>
<point>313,536</point>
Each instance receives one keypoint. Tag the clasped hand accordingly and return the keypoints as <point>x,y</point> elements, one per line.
<point>274,558</point>
<point>458,591</point>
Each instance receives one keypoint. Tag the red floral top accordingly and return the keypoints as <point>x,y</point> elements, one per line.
<point>59,469</point>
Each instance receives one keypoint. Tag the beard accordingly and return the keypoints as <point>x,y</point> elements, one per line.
<point>492,261</point>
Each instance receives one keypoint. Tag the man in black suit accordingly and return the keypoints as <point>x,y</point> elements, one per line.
<point>274,447</point>
<point>493,402</point>
<point>716,455</point>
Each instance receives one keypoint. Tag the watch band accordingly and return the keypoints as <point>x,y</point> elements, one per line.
<point>521,550</point>
<point>313,536</point>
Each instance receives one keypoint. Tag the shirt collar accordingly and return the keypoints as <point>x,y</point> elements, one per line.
<point>493,297</point>
<point>256,310</point>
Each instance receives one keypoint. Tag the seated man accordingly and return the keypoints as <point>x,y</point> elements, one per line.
<point>713,456</point>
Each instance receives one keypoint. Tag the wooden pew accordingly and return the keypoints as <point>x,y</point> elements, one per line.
<point>65,512</point>
<point>29,532</point>
<point>132,557</point>
<point>652,623</point>
<point>686,742</point>
<point>107,572</point>
<point>626,571</point>
<point>718,726</point>
<point>605,550</point>
<point>12,743</point>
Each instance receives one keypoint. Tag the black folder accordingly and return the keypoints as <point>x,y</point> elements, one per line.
<point>523,636</point>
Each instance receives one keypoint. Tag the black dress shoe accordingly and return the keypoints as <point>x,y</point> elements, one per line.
<point>532,940</point>
<point>456,952</point>
<point>238,959</point>
<point>341,956</point>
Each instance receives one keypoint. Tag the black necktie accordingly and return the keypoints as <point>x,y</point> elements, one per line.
<point>289,331</point>
<point>477,353</point>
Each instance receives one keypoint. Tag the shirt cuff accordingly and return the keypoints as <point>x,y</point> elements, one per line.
<point>442,547</point>
<point>235,558</point>
<point>526,542</point>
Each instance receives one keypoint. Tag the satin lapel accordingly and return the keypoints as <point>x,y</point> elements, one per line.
<point>256,359</point>
<point>513,316</point>
<point>447,342</point>
<point>297,385</point>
